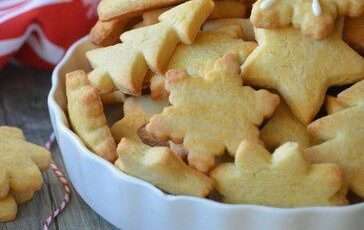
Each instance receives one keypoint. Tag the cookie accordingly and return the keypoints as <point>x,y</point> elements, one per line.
<point>230,24</point>
<point>284,127</point>
<point>137,112</point>
<point>107,33</point>
<point>157,165</point>
<point>283,179</point>
<point>162,168</point>
<point>198,58</point>
<point>301,68</point>
<point>114,97</point>
<point>341,134</point>
<point>332,105</point>
<point>20,165</point>
<point>151,17</point>
<point>211,113</point>
<point>150,46</point>
<point>8,209</point>
<point>86,115</point>
<point>229,9</point>
<point>315,18</point>
<point>110,9</point>
<point>353,33</point>
<point>223,9</point>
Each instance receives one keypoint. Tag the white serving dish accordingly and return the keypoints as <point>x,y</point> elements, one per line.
<point>132,204</point>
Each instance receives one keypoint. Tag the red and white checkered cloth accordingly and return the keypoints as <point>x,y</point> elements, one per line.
<point>38,32</point>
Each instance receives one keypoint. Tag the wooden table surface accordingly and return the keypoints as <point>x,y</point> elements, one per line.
<point>23,103</point>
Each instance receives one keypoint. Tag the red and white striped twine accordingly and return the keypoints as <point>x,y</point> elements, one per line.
<point>66,187</point>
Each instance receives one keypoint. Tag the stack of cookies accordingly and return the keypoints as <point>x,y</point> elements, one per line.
<point>229,99</point>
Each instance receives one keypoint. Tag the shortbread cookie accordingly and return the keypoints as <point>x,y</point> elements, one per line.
<point>224,9</point>
<point>332,105</point>
<point>8,209</point>
<point>229,9</point>
<point>211,113</point>
<point>353,96</point>
<point>198,58</point>
<point>284,127</point>
<point>353,33</point>
<point>315,18</point>
<point>137,112</point>
<point>342,133</point>
<point>151,46</point>
<point>109,9</point>
<point>20,165</point>
<point>157,165</point>
<point>301,68</point>
<point>86,114</point>
<point>201,56</point>
<point>114,97</point>
<point>107,33</point>
<point>162,168</point>
<point>226,25</point>
<point>284,179</point>
<point>151,17</point>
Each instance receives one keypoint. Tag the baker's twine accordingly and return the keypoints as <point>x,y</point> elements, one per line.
<point>66,187</point>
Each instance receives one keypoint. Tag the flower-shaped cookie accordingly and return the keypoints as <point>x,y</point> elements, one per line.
<point>212,113</point>
<point>20,165</point>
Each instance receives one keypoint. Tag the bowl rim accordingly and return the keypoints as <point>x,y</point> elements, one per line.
<point>60,115</point>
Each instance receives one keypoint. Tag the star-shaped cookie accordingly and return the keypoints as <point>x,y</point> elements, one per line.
<point>212,113</point>
<point>301,68</point>
<point>157,165</point>
<point>281,179</point>
<point>342,135</point>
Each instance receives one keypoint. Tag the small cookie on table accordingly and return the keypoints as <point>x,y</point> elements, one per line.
<point>20,170</point>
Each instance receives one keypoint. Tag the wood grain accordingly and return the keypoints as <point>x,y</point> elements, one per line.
<point>23,103</point>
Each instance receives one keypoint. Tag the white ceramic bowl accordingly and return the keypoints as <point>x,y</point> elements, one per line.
<point>132,204</point>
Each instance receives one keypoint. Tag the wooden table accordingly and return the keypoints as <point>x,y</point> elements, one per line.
<point>23,103</point>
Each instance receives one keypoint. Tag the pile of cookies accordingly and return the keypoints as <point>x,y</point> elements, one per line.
<point>20,175</point>
<point>228,99</point>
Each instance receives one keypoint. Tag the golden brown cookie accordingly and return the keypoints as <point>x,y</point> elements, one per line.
<point>151,46</point>
<point>301,68</point>
<point>283,179</point>
<point>86,114</point>
<point>353,33</point>
<point>20,175</point>
<point>109,9</point>
<point>315,18</point>
<point>211,113</point>
<point>342,134</point>
<point>107,33</point>
<point>198,58</point>
<point>284,127</point>
<point>229,9</point>
<point>157,165</point>
<point>226,25</point>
